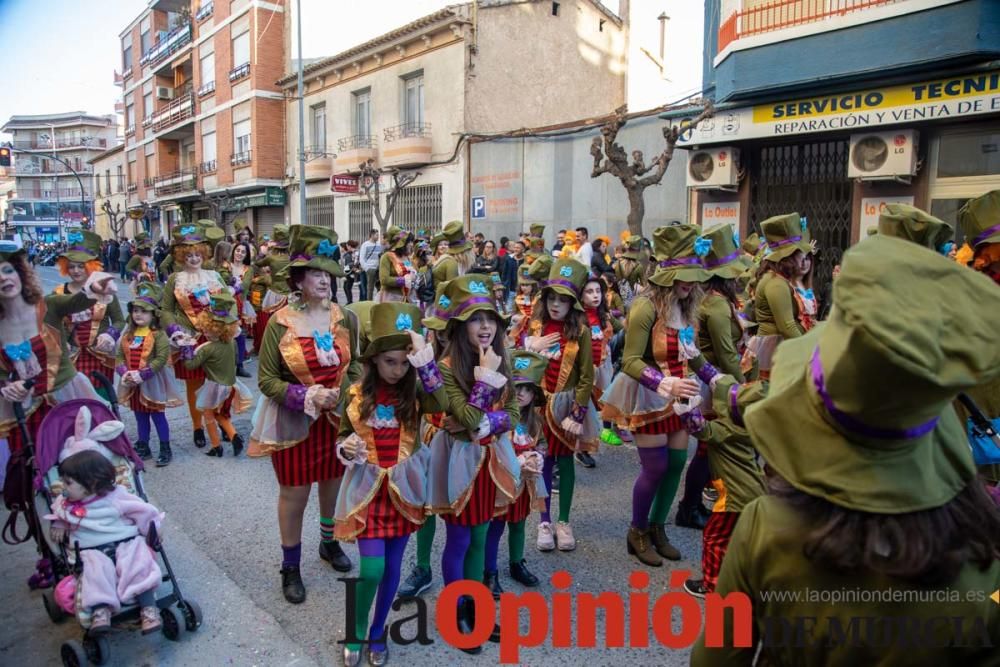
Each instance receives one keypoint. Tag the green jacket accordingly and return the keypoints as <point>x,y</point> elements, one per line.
<point>113,316</point>
<point>158,356</point>
<point>733,462</point>
<point>719,334</point>
<point>775,308</point>
<point>58,307</point>
<point>638,352</point>
<point>171,314</point>
<point>387,275</point>
<point>444,270</point>
<point>765,558</point>
<point>218,360</point>
<point>453,400</point>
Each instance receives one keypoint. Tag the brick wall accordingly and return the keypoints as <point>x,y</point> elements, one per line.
<point>268,139</point>
<point>224,145</point>
<point>268,63</point>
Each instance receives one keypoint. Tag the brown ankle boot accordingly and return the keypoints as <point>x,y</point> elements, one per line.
<point>660,542</point>
<point>639,546</point>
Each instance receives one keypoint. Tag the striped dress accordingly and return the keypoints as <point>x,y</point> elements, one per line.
<point>180,372</point>
<point>482,503</point>
<point>673,423</point>
<point>556,446</point>
<point>14,438</point>
<point>315,458</point>
<point>521,507</point>
<point>135,398</point>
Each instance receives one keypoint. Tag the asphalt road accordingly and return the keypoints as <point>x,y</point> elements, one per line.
<point>221,534</point>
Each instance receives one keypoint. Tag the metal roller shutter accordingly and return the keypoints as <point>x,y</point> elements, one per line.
<point>265,218</point>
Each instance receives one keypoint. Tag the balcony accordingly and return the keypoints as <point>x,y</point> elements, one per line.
<point>353,151</point>
<point>240,159</point>
<point>127,74</point>
<point>167,45</point>
<point>179,181</point>
<point>181,109</point>
<point>147,121</point>
<point>72,142</point>
<point>319,162</point>
<point>27,168</point>
<point>207,167</point>
<point>406,145</point>
<point>204,11</point>
<point>132,187</point>
<point>207,89</point>
<point>149,181</point>
<point>129,130</point>
<point>239,72</point>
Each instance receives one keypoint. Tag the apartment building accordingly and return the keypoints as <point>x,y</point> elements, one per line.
<point>109,187</point>
<point>405,98</point>
<point>204,119</point>
<point>52,170</point>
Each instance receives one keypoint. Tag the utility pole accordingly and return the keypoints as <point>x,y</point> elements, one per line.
<point>52,138</point>
<point>302,118</point>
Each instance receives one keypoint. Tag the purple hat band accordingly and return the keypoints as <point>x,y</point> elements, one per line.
<point>855,426</point>
<point>518,378</point>
<point>734,408</point>
<point>221,312</point>
<point>709,264</point>
<point>147,299</point>
<point>989,231</point>
<point>80,248</point>
<point>774,245</point>
<point>438,312</point>
<point>680,261</point>
<point>565,283</point>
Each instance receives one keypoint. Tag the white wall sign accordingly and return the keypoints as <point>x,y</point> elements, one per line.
<point>717,213</point>
<point>871,208</point>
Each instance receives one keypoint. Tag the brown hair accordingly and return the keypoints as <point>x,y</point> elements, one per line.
<point>154,323</point>
<point>727,287</point>
<point>223,252</point>
<point>926,548</point>
<point>406,410</point>
<point>180,252</point>
<point>573,325</point>
<point>90,470</point>
<point>90,266</point>
<point>31,289</point>
<point>296,274</point>
<point>784,267</point>
<point>464,355</point>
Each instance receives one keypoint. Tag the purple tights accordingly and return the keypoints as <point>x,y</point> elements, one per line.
<point>159,419</point>
<point>391,550</point>
<point>654,462</point>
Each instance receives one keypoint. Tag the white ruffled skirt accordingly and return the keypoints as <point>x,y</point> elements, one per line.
<point>455,463</point>
<point>212,395</point>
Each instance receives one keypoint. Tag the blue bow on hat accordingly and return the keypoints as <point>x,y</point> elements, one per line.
<point>803,223</point>
<point>495,279</point>
<point>385,412</point>
<point>566,271</point>
<point>18,351</point>
<point>444,301</point>
<point>702,246</point>
<point>404,322</point>
<point>188,229</point>
<point>323,341</point>
<point>736,237</point>
<point>326,248</point>
<point>476,287</point>
<point>521,364</point>
<point>686,335</point>
<point>74,237</point>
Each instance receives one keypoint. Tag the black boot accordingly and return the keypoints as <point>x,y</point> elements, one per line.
<point>225,436</point>
<point>242,372</point>
<point>142,449</point>
<point>492,580</point>
<point>215,451</point>
<point>688,516</point>
<point>335,556</point>
<point>166,456</point>
<point>519,572</point>
<point>237,444</point>
<point>199,438</point>
<point>465,615</point>
<point>291,584</point>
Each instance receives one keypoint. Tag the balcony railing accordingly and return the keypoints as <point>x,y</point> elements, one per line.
<point>25,168</point>
<point>72,142</point>
<point>207,89</point>
<point>178,181</point>
<point>781,14</point>
<point>207,167</point>
<point>204,11</point>
<point>147,121</point>
<point>240,71</point>
<point>406,131</point>
<point>355,142</point>
<point>237,159</point>
<point>127,74</point>
<point>129,130</point>
<point>181,109</point>
<point>132,187</point>
<point>148,182</point>
<point>171,43</point>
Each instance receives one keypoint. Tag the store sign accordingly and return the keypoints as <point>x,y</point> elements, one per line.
<point>871,209</point>
<point>344,183</point>
<point>957,97</point>
<point>717,213</point>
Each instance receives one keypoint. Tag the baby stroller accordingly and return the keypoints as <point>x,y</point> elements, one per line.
<point>176,612</point>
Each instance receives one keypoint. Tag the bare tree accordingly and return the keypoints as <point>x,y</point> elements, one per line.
<point>116,219</point>
<point>370,181</point>
<point>219,203</point>
<point>611,158</point>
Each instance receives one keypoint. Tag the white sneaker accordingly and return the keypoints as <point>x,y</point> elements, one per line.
<point>564,537</point>
<point>545,541</point>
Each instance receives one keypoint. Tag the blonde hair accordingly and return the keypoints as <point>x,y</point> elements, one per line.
<point>466,260</point>
<point>663,300</point>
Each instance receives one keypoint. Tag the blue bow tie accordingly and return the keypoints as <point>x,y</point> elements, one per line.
<point>521,429</point>
<point>385,412</point>
<point>686,335</point>
<point>806,293</point>
<point>18,351</point>
<point>323,341</point>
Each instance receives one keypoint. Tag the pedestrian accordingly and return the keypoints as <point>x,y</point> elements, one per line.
<point>459,256</point>
<point>599,261</point>
<point>488,262</point>
<point>560,243</point>
<point>423,283</point>
<point>395,270</point>
<point>221,395</point>
<point>124,254</point>
<point>308,359</point>
<point>370,254</point>
<point>245,235</point>
<point>659,350</point>
<point>159,254</point>
<point>145,386</point>
<point>529,446</point>
<point>559,331</point>
<point>383,496</point>
<point>508,276</point>
<point>141,266</point>
<point>114,249</point>
<point>878,405</point>
<point>240,274</point>
<point>584,250</point>
<point>352,268</point>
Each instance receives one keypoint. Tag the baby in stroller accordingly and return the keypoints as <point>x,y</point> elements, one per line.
<point>107,524</point>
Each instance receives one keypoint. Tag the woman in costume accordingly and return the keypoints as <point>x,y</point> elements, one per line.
<point>395,270</point>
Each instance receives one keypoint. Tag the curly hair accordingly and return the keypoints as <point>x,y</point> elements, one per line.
<point>406,390</point>
<point>180,252</point>
<point>208,325</point>
<point>31,289</point>
<point>91,266</point>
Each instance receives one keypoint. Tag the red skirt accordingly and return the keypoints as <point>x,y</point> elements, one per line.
<point>258,329</point>
<point>482,503</point>
<point>312,460</point>
<point>671,424</point>
<point>182,373</point>
<point>519,509</point>
<point>14,438</point>
<point>384,521</point>
<point>86,362</point>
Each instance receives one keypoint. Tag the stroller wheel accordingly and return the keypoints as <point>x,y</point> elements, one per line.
<point>52,608</point>
<point>172,623</point>
<point>192,614</point>
<point>72,654</point>
<point>98,649</point>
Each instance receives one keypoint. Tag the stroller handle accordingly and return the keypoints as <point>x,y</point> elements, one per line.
<point>19,408</point>
<point>109,388</point>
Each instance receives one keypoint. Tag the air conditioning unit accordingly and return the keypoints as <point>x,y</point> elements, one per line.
<point>713,168</point>
<point>883,155</point>
<point>164,93</point>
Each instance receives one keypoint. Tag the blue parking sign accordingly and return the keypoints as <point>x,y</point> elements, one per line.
<point>479,208</point>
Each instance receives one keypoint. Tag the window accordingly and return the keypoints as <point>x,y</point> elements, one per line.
<point>121,180</point>
<point>127,53</point>
<point>413,100</point>
<point>97,186</point>
<point>359,216</point>
<point>969,154</point>
<point>208,69</point>
<point>131,172</point>
<point>208,155</point>
<point>363,113</point>
<point>418,208</point>
<point>151,170</point>
<point>130,117</point>
<point>241,50</point>
<point>319,211</point>
<point>319,128</point>
<point>241,142</point>
<point>148,106</point>
<point>107,180</point>
<point>145,41</point>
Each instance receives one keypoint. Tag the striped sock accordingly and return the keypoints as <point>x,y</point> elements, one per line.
<point>326,529</point>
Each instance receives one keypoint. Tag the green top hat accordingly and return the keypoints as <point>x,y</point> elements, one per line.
<point>280,236</point>
<point>436,241</point>
<point>539,269</point>
<point>724,258</point>
<point>312,247</point>
<point>192,233</point>
<point>751,244</point>
<point>731,399</point>
<point>633,248</point>
<point>390,324</point>
<point>396,238</point>
<point>82,246</point>
<point>536,230</point>
<point>679,251</point>
<point>213,233</point>
<point>784,235</point>
<point>536,247</point>
<point>567,277</point>
<point>980,219</point>
<point>241,225</point>
<point>528,367</point>
<point>524,275</point>
<point>910,223</point>
<point>147,296</point>
<point>142,240</point>
<point>459,298</point>
<point>876,406</point>
<point>8,249</point>
<point>222,308</point>
<point>454,234</point>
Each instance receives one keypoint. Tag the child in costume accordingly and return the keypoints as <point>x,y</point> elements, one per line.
<point>222,394</point>
<point>383,494</point>
<point>146,386</point>
<point>107,522</point>
<point>602,328</point>
<point>499,295</point>
<point>559,331</point>
<point>141,267</point>
<point>529,446</point>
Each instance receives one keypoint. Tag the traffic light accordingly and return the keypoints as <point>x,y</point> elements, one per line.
<point>4,156</point>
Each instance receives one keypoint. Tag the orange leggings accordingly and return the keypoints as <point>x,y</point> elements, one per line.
<point>213,420</point>
<point>192,387</point>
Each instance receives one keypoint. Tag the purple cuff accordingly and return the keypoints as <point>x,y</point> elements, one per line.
<point>616,313</point>
<point>187,352</point>
<point>173,328</point>
<point>114,333</point>
<point>650,378</point>
<point>430,377</point>
<point>295,397</point>
<point>146,373</point>
<point>693,421</point>
<point>578,412</point>
<point>401,281</point>
<point>237,289</point>
<point>707,372</point>
<point>481,397</point>
<point>121,369</point>
<point>499,421</point>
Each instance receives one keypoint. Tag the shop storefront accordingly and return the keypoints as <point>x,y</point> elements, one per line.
<point>262,210</point>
